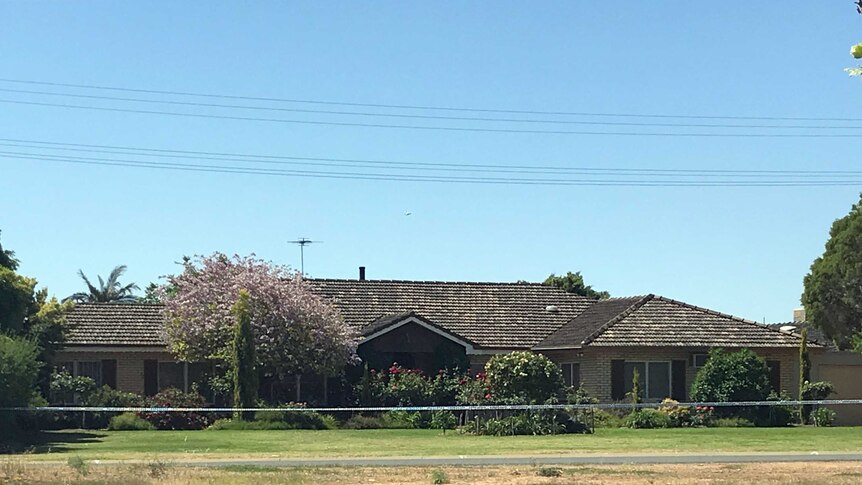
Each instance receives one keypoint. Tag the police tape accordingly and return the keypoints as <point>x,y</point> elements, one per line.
<point>490,407</point>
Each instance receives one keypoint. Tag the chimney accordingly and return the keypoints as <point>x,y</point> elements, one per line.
<point>362,273</point>
<point>799,315</point>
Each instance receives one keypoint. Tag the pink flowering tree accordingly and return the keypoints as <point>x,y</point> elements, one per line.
<point>294,330</point>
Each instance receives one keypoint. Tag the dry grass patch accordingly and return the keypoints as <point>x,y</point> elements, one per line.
<point>832,473</point>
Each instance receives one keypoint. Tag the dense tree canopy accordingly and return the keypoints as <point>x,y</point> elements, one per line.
<point>293,329</point>
<point>574,283</point>
<point>833,288</point>
<point>110,291</point>
<point>29,314</point>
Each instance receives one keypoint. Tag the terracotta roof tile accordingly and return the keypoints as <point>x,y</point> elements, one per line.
<point>115,324</point>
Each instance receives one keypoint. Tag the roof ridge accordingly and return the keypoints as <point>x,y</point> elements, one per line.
<point>116,304</point>
<point>610,323</point>
<point>448,282</point>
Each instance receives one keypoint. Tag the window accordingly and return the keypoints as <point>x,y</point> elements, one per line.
<point>93,370</point>
<point>172,374</point>
<point>699,360</point>
<point>571,374</point>
<point>654,379</point>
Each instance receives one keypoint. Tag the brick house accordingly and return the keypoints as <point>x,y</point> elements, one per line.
<point>430,325</point>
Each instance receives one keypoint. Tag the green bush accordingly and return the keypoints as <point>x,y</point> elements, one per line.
<point>647,419</point>
<point>129,422</point>
<point>19,371</point>
<point>443,420</point>
<point>439,477</point>
<point>174,398</point>
<point>607,419</point>
<point>546,422</point>
<point>523,377</point>
<point>296,419</point>
<point>677,416</point>
<point>822,417</point>
<point>732,423</point>
<point>108,397</point>
<point>731,376</point>
<point>363,422</point>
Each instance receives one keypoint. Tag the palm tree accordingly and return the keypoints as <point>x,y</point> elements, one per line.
<point>108,291</point>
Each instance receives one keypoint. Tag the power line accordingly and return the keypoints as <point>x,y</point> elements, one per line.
<point>435,128</point>
<point>421,107</point>
<point>366,163</point>
<point>433,117</point>
<point>439,179</point>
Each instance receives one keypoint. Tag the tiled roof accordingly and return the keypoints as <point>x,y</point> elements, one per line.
<point>575,332</point>
<point>115,324</point>
<point>661,322</point>
<point>814,334</point>
<point>500,315</point>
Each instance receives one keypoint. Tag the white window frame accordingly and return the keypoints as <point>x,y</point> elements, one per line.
<point>185,374</point>
<point>571,371</point>
<point>646,364</point>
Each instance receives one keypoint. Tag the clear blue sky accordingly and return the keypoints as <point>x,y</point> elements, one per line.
<point>738,250</point>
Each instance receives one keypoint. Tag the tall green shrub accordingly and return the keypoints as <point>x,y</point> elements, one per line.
<point>245,380</point>
<point>732,376</point>
<point>19,371</point>
<point>523,377</point>
<point>804,371</point>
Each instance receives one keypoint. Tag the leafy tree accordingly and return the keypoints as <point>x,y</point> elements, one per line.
<point>7,259</point>
<point>574,283</point>
<point>243,371</point>
<point>294,330</point>
<point>110,291</point>
<point>28,313</point>
<point>833,288</point>
<point>731,376</point>
<point>19,370</point>
<point>856,50</point>
<point>523,377</point>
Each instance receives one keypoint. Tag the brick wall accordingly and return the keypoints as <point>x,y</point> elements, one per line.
<point>130,365</point>
<point>595,364</point>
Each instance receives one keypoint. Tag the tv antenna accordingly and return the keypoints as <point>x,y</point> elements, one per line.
<point>303,241</point>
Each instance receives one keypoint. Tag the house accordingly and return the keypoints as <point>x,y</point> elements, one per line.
<point>433,324</point>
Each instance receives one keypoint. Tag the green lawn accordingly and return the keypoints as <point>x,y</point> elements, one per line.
<point>342,443</point>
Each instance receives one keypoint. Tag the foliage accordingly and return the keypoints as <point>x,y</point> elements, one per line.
<point>678,416</point>
<point>106,397</point>
<point>735,422</point>
<point>776,415</point>
<point>605,419</point>
<point>856,50</point>
<point>703,416</point>
<point>174,398</point>
<point>635,395</point>
<point>439,477</point>
<point>731,376</point>
<point>64,387</point>
<point>19,370</point>
<point>579,396</point>
<point>129,422</point>
<point>443,420</point>
<point>574,283</point>
<point>245,378</point>
<point>7,258</point>
<point>549,471</point>
<point>294,330</point>
<point>523,377</point>
<point>822,417</point>
<point>110,291</point>
<point>296,419</point>
<point>151,295</point>
<point>647,419</point>
<point>804,371</point>
<point>817,390</point>
<point>47,327</point>
<point>397,386</point>
<point>541,422</point>
<point>16,300</point>
<point>79,465</point>
<point>363,422</point>
<point>833,288</point>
